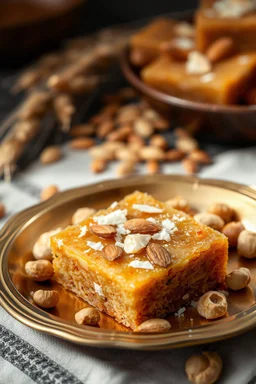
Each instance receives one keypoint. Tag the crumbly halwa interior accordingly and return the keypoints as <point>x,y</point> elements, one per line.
<point>155,299</point>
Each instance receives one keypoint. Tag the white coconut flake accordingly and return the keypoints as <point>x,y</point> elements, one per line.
<point>169,226</point>
<point>96,246</point>
<point>147,208</point>
<point>178,218</point>
<point>197,64</point>
<point>59,242</point>
<point>234,9</point>
<point>114,218</point>
<point>207,78</point>
<point>162,235</point>
<point>98,289</point>
<point>141,264</point>
<point>184,42</point>
<point>180,312</point>
<point>135,243</point>
<point>83,231</point>
<point>114,204</point>
<point>121,230</point>
<point>119,244</point>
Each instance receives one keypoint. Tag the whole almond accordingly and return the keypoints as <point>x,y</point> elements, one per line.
<point>200,156</point>
<point>151,114</point>
<point>125,168</point>
<point>50,155</point>
<point>186,144</point>
<point>158,255</point>
<point>105,128</point>
<point>120,134</point>
<point>81,143</point>
<point>220,49</point>
<point>190,166</point>
<point>143,127</point>
<point>136,139</point>
<point>152,153</point>
<point>112,252</point>
<point>98,165</point>
<point>154,325</point>
<point>104,231</point>
<point>161,124</point>
<point>174,155</point>
<point>82,130</point>
<point>158,141</point>
<point>128,114</point>
<point>141,226</point>
<point>101,152</point>
<point>153,167</point>
<point>48,192</point>
<point>126,154</point>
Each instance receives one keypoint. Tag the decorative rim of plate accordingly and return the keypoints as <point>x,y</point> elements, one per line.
<point>21,309</point>
<point>134,79</point>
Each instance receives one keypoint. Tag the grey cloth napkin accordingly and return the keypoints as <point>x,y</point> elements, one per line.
<point>28,356</point>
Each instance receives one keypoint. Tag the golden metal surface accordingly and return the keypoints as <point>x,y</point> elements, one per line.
<point>19,234</point>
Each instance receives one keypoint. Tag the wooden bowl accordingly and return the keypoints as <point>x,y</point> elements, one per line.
<point>28,28</point>
<point>232,124</point>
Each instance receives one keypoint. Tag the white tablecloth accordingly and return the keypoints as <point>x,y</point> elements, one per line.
<point>28,356</point>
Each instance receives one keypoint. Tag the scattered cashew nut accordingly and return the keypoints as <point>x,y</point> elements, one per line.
<point>222,210</point>
<point>204,369</point>
<point>212,305</point>
<point>42,247</point>
<point>238,279</point>
<point>39,270</point>
<point>246,244</point>
<point>211,220</point>
<point>81,214</point>
<point>87,316</point>
<point>46,299</point>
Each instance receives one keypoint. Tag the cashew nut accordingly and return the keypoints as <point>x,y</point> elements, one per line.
<point>81,214</point>
<point>204,369</point>
<point>39,270</point>
<point>46,299</point>
<point>42,247</point>
<point>232,231</point>
<point>87,316</point>
<point>210,219</point>
<point>223,211</point>
<point>238,279</point>
<point>212,305</point>
<point>246,244</point>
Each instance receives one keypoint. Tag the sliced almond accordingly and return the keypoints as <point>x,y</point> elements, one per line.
<point>220,49</point>
<point>112,252</point>
<point>174,155</point>
<point>141,226</point>
<point>50,155</point>
<point>154,325</point>
<point>104,231</point>
<point>158,255</point>
<point>151,153</point>
<point>81,143</point>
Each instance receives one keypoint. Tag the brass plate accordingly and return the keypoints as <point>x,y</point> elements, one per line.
<point>21,231</point>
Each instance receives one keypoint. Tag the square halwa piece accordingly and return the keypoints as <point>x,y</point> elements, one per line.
<point>145,44</point>
<point>232,18</point>
<point>133,287</point>
<point>223,85</point>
